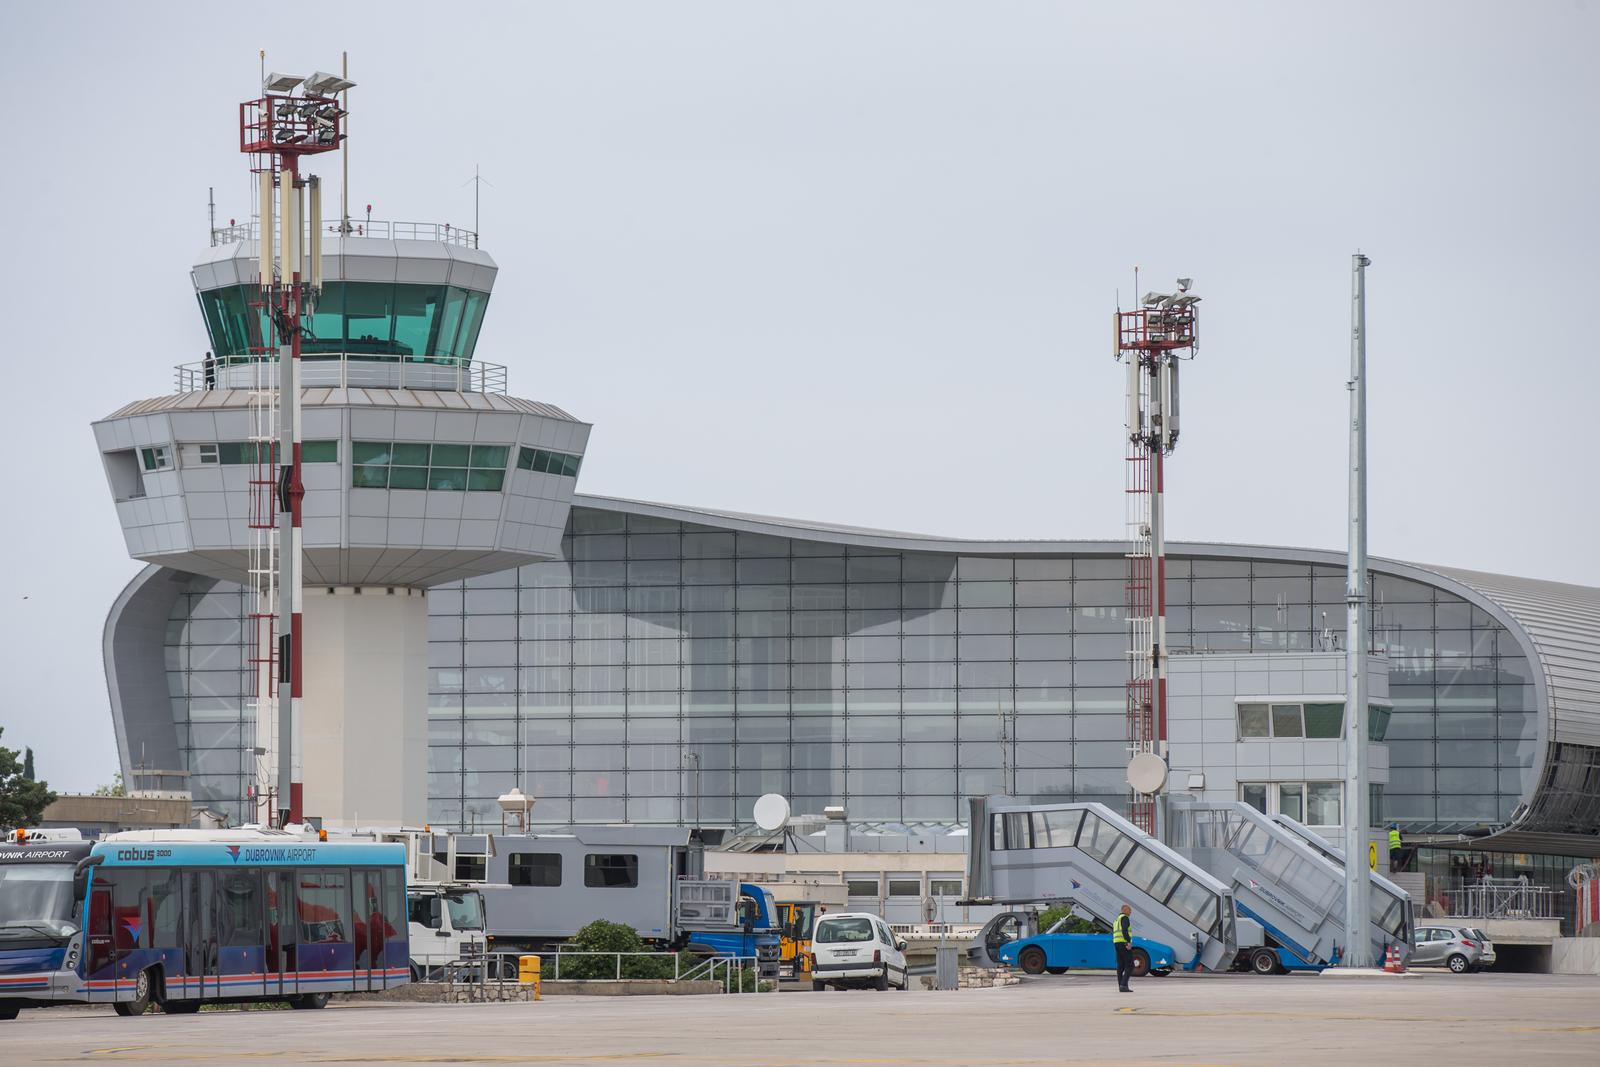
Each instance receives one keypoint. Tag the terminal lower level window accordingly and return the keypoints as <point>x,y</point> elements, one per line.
<point>1312,803</point>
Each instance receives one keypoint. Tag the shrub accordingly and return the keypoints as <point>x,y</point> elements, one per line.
<point>603,935</point>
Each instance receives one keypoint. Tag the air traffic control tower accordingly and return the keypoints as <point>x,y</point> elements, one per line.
<point>418,468</point>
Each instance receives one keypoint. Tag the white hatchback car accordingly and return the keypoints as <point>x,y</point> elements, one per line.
<point>856,948</point>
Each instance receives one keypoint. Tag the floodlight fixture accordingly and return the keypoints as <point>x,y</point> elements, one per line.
<point>1151,299</point>
<point>322,83</point>
<point>1184,283</point>
<point>282,83</point>
<point>331,111</point>
<point>326,136</point>
<point>284,110</point>
<point>285,135</point>
<point>1187,300</point>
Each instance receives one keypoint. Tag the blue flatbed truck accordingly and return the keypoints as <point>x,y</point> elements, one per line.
<point>754,933</point>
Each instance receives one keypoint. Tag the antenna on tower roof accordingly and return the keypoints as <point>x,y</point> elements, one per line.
<point>477,181</point>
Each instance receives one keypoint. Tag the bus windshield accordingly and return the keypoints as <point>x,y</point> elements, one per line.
<point>36,900</point>
<point>466,909</point>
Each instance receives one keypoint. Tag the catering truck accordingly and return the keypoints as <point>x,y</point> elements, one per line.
<point>541,889</point>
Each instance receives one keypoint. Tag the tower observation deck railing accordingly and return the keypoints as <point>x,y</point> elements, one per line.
<point>347,370</point>
<point>1085,854</point>
<point>381,229</point>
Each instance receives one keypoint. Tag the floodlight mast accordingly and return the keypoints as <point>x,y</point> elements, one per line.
<point>1357,878</point>
<point>1151,339</point>
<point>275,130</point>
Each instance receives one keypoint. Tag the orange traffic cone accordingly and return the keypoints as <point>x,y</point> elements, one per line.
<point>1391,960</point>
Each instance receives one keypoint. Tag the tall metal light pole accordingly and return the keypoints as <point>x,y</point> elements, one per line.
<point>1357,880</point>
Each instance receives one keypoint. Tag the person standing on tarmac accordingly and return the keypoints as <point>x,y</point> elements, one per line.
<point>1394,847</point>
<point>1122,940</point>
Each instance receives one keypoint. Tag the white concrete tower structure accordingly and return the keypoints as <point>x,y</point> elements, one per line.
<point>418,469</point>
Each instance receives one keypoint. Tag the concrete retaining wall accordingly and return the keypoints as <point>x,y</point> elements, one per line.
<point>1575,955</point>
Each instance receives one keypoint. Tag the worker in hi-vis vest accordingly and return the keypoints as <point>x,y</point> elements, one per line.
<point>1394,846</point>
<point>1122,939</point>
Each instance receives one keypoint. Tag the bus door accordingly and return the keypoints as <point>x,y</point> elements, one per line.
<point>200,935</point>
<point>101,958</point>
<point>372,929</point>
<point>282,931</point>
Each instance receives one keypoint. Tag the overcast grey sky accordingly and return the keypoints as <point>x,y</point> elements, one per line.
<point>855,262</point>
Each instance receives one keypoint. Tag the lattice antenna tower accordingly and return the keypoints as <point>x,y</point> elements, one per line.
<point>1151,341</point>
<point>295,116</point>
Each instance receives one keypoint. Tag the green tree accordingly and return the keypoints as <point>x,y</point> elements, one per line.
<point>115,789</point>
<point>22,800</point>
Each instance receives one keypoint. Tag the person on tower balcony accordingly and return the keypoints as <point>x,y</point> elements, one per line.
<point>1395,847</point>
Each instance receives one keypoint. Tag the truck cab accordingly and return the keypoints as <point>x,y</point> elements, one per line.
<point>721,919</point>
<point>445,918</point>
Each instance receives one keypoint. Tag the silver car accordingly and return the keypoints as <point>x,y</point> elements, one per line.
<point>1460,948</point>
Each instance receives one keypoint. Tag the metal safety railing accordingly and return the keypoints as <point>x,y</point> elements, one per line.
<point>501,970</point>
<point>1502,898</point>
<point>381,229</point>
<point>347,370</point>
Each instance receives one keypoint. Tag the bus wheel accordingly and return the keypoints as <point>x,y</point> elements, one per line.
<point>1032,959</point>
<point>1140,963</point>
<point>141,996</point>
<point>310,1000</point>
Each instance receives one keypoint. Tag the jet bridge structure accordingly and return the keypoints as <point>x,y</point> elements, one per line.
<point>1088,855</point>
<point>1287,879</point>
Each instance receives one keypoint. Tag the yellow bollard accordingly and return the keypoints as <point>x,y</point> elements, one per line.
<point>528,972</point>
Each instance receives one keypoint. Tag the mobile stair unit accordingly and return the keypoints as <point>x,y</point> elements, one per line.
<point>1283,881</point>
<point>1087,855</point>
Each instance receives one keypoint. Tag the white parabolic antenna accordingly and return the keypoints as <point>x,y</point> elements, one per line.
<point>772,812</point>
<point>1147,772</point>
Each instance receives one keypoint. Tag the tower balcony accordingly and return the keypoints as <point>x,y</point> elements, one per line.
<point>346,370</point>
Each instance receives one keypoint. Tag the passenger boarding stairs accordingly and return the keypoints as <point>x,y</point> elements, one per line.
<point>1285,878</point>
<point>1022,852</point>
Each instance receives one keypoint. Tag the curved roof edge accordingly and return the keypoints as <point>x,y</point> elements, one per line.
<point>134,646</point>
<point>1557,624</point>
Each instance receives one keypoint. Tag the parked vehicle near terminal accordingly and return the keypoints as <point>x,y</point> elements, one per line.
<point>796,921</point>
<point>446,922</point>
<point>1460,948</point>
<point>856,948</point>
<point>184,917</point>
<point>541,889</point>
<point>1056,951</point>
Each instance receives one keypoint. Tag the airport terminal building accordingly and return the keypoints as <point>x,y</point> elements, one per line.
<point>648,663</point>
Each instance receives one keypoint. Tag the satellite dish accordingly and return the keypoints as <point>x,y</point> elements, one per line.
<point>772,812</point>
<point>1147,773</point>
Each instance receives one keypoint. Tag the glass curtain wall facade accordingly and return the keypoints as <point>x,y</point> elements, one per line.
<point>664,668</point>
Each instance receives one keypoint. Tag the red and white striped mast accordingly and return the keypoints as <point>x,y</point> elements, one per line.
<point>1151,339</point>
<point>295,116</point>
